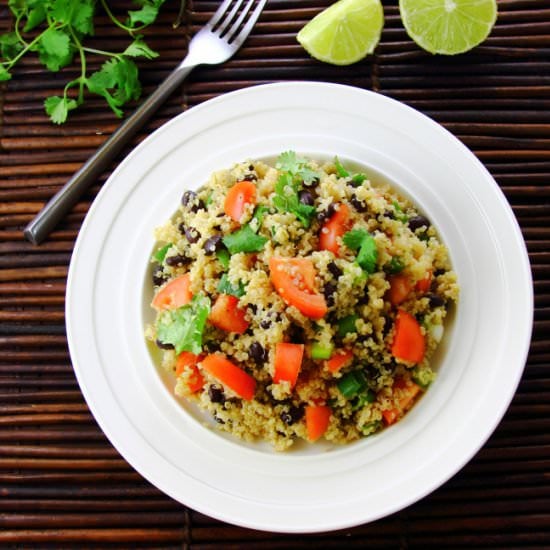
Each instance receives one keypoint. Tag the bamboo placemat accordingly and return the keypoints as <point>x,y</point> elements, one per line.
<point>61,482</point>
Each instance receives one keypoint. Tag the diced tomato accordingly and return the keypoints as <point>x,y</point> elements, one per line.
<point>238,197</point>
<point>409,343</point>
<point>293,279</point>
<point>174,294</point>
<point>188,361</point>
<point>400,288</point>
<point>423,285</point>
<point>334,229</point>
<point>230,375</point>
<point>409,391</point>
<point>288,362</point>
<point>227,315</point>
<point>317,421</point>
<point>339,359</point>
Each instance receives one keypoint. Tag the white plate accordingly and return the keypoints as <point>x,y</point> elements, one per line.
<point>313,489</point>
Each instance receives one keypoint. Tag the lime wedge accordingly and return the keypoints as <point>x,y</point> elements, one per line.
<point>345,32</point>
<point>448,26</point>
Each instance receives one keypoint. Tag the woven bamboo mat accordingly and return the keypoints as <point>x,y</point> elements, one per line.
<point>61,482</point>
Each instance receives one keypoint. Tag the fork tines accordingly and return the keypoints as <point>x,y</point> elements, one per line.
<point>230,20</point>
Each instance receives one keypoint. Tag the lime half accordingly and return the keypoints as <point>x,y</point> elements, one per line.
<point>448,26</point>
<point>345,32</point>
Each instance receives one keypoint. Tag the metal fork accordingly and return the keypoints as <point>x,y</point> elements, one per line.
<point>215,43</point>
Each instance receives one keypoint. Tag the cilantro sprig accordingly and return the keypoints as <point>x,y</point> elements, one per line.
<point>184,327</point>
<point>367,253</point>
<point>56,31</point>
<point>294,173</point>
<point>356,179</point>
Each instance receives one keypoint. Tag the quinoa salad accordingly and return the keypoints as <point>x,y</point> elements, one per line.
<point>299,300</point>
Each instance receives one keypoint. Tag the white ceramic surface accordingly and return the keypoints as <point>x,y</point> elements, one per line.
<point>316,487</point>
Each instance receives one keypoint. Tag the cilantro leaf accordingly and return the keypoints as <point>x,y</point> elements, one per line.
<point>297,167</point>
<point>4,74</point>
<point>354,239</point>
<point>226,287</point>
<point>146,15</point>
<point>287,199</point>
<point>76,13</point>
<point>138,48</point>
<point>58,108</point>
<point>117,81</point>
<point>184,327</point>
<point>356,179</point>
<point>244,240</point>
<point>340,170</point>
<point>35,16</point>
<point>368,255</point>
<point>54,49</point>
<point>10,45</point>
<point>399,214</point>
<point>363,241</point>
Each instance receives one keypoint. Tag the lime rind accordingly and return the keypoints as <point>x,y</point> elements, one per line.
<point>448,27</point>
<point>345,32</point>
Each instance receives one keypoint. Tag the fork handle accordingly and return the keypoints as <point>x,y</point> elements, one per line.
<point>40,227</point>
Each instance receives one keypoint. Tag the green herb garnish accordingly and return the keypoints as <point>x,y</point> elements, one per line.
<point>244,240</point>
<point>356,179</point>
<point>394,266</point>
<point>223,257</point>
<point>362,241</point>
<point>56,31</point>
<point>184,327</point>
<point>226,287</point>
<point>294,173</point>
<point>399,214</point>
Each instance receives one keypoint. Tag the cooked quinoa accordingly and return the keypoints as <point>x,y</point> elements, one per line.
<point>299,300</point>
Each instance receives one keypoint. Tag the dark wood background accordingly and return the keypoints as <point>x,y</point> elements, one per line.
<point>62,484</point>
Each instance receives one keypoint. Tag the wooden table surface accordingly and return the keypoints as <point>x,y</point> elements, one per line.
<point>62,484</point>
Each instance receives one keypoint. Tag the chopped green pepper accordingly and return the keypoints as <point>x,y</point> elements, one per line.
<point>352,384</point>
<point>321,351</point>
<point>347,325</point>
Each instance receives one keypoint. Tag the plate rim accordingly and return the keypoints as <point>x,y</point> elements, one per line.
<point>196,111</point>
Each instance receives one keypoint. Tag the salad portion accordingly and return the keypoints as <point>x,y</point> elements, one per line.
<point>299,301</point>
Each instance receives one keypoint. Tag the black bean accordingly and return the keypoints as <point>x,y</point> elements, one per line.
<point>191,201</point>
<point>328,291</point>
<point>314,182</point>
<point>305,197</point>
<point>359,205</point>
<point>439,272</point>
<point>216,394</point>
<point>326,214</point>
<point>177,260</point>
<point>292,415</point>
<point>265,323</point>
<point>257,353</point>
<point>164,345</point>
<point>335,271</point>
<point>416,222</point>
<point>212,244</point>
<point>436,300</point>
<point>191,234</point>
<point>389,214</point>
<point>253,308</point>
<point>250,177</point>
<point>158,276</point>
